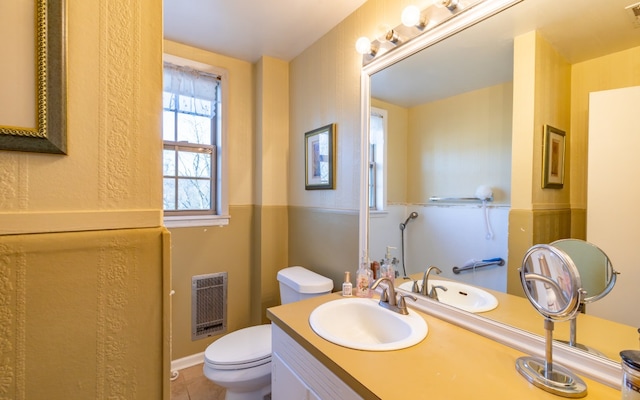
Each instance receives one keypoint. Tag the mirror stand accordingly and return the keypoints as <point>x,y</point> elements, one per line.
<point>543,374</point>
<point>573,341</point>
<point>552,284</point>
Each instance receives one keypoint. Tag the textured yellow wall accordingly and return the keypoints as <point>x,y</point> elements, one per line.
<point>206,250</point>
<point>111,175</point>
<point>459,143</point>
<point>542,85</point>
<point>272,167</point>
<point>253,247</point>
<point>83,312</point>
<point>81,315</point>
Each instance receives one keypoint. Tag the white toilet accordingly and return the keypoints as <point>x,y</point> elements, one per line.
<point>241,361</point>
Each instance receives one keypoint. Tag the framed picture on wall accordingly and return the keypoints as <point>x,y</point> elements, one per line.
<point>553,158</point>
<point>319,157</point>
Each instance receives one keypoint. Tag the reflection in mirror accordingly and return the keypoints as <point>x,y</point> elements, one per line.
<point>596,271</point>
<point>597,275</point>
<point>552,284</point>
<point>449,127</point>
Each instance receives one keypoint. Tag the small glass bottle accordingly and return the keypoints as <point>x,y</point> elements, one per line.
<point>346,286</point>
<point>363,279</point>
<point>630,374</point>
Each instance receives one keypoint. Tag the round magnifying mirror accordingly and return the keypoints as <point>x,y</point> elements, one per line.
<point>596,272</point>
<point>551,282</point>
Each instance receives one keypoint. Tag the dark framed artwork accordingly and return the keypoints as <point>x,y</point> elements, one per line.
<point>319,157</point>
<point>553,158</point>
<point>33,100</point>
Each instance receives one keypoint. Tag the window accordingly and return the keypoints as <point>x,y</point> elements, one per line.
<point>192,146</point>
<point>377,150</point>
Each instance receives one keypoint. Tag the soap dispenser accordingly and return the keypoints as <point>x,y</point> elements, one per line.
<point>346,286</point>
<point>387,269</point>
<point>363,279</point>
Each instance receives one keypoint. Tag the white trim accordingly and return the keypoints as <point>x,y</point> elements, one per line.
<point>76,221</point>
<point>196,220</point>
<point>188,361</point>
<point>327,210</point>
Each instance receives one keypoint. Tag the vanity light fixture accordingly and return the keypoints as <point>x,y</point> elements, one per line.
<point>451,5</point>
<point>388,34</point>
<point>412,16</point>
<point>415,22</point>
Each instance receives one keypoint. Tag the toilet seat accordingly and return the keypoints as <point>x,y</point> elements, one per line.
<point>242,349</point>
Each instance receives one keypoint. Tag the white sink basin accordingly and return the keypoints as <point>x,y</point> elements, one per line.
<point>460,295</point>
<point>364,325</point>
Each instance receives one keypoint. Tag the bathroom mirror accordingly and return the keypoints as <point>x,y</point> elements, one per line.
<point>463,61</point>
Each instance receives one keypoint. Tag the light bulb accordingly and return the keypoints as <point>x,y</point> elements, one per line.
<point>410,16</point>
<point>363,45</point>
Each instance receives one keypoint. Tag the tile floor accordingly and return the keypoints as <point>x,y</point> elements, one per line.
<point>191,384</point>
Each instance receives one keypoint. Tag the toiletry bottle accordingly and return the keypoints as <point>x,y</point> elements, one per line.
<point>387,269</point>
<point>346,286</point>
<point>363,279</point>
<point>375,270</point>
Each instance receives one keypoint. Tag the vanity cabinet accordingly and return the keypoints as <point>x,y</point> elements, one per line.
<point>297,375</point>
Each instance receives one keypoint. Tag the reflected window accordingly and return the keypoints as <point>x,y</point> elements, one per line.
<point>377,151</point>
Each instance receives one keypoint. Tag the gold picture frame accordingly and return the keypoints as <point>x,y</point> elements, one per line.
<point>319,157</point>
<point>553,158</point>
<point>48,132</point>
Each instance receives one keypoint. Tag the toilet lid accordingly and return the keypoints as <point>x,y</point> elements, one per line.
<point>244,348</point>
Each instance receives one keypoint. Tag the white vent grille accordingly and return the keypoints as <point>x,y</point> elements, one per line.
<point>208,305</point>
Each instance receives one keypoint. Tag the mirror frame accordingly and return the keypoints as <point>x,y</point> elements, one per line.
<point>599,369</point>
<point>50,132</point>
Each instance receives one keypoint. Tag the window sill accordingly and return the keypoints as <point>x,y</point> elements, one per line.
<point>196,221</point>
<point>378,213</point>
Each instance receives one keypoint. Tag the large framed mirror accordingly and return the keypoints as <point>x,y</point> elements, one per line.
<point>468,87</point>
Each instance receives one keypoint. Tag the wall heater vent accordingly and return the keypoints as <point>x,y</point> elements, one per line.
<point>208,305</point>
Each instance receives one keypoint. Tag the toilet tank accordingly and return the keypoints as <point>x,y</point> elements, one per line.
<point>298,283</point>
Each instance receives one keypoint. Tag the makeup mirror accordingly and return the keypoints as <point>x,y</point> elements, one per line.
<point>597,275</point>
<point>596,271</point>
<point>552,284</point>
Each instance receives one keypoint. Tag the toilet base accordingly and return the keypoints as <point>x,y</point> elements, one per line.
<point>246,384</point>
<point>262,394</point>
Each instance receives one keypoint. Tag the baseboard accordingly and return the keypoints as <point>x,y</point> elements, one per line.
<point>188,361</point>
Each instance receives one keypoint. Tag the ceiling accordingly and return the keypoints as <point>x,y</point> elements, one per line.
<point>482,55</point>
<point>249,29</point>
<point>477,57</point>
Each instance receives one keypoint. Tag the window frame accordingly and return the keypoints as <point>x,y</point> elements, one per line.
<point>378,165</point>
<point>198,217</point>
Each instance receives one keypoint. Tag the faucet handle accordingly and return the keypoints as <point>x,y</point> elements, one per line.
<point>402,305</point>
<point>415,288</point>
<point>384,296</point>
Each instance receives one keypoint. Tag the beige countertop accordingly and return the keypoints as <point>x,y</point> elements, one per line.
<point>604,336</point>
<point>450,363</point>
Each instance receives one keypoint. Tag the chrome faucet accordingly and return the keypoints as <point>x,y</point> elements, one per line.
<point>388,297</point>
<point>432,294</point>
